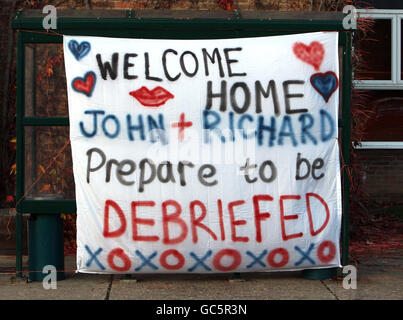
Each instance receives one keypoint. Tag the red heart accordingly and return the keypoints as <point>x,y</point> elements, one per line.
<point>312,54</point>
<point>86,84</point>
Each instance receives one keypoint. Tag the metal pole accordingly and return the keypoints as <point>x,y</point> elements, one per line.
<point>20,148</point>
<point>346,143</point>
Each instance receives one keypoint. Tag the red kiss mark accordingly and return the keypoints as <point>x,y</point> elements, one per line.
<point>312,54</point>
<point>154,98</point>
<point>85,85</point>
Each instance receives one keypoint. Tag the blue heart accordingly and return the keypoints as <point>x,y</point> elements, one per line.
<point>79,50</point>
<point>325,84</point>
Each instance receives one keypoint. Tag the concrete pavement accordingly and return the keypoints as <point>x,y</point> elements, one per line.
<point>379,278</point>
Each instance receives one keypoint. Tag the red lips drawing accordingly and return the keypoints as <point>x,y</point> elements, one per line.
<point>152,98</point>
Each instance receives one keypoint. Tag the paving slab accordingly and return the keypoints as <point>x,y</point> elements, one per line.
<point>76,286</point>
<point>257,286</point>
<point>378,278</point>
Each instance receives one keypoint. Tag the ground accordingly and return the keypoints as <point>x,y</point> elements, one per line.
<point>380,277</point>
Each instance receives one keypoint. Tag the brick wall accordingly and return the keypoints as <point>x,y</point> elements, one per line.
<point>382,178</point>
<point>283,5</point>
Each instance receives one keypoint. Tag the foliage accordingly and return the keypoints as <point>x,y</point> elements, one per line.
<point>70,245</point>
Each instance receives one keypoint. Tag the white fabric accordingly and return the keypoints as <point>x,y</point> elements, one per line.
<point>262,59</point>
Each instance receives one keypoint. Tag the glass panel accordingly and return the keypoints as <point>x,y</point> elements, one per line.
<point>386,122</point>
<point>379,4</point>
<point>401,49</point>
<point>381,178</point>
<point>45,81</point>
<point>375,47</point>
<point>42,144</point>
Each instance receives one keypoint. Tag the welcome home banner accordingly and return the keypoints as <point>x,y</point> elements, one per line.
<point>195,156</point>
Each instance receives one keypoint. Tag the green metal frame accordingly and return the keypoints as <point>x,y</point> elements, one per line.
<point>30,31</point>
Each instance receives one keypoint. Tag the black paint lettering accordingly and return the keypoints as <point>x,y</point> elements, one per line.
<point>181,170</point>
<point>317,164</point>
<point>127,65</point>
<point>246,102</point>
<point>246,168</point>
<point>259,91</point>
<point>164,65</point>
<point>109,167</point>
<point>106,67</point>
<point>222,95</point>
<point>212,58</point>
<point>183,66</point>
<point>147,67</point>
<point>211,172</point>
<point>89,156</point>
<point>230,61</point>
<point>120,172</point>
<point>308,168</point>
<point>288,96</point>
<point>153,173</point>
<point>169,175</point>
<point>273,171</point>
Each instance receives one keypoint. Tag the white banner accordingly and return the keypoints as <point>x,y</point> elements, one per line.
<point>195,156</point>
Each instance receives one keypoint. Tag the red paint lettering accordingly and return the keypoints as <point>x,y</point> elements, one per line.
<point>234,222</point>
<point>118,232</point>
<point>182,125</point>
<point>271,258</point>
<point>236,259</point>
<point>119,253</point>
<point>136,221</point>
<point>331,251</point>
<point>196,222</point>
<point>259,216</point>
<point>220,216</point>
<point>308,205</point>
<point>288,217</point>
<point>172,218</point>
<point>177,255</point>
